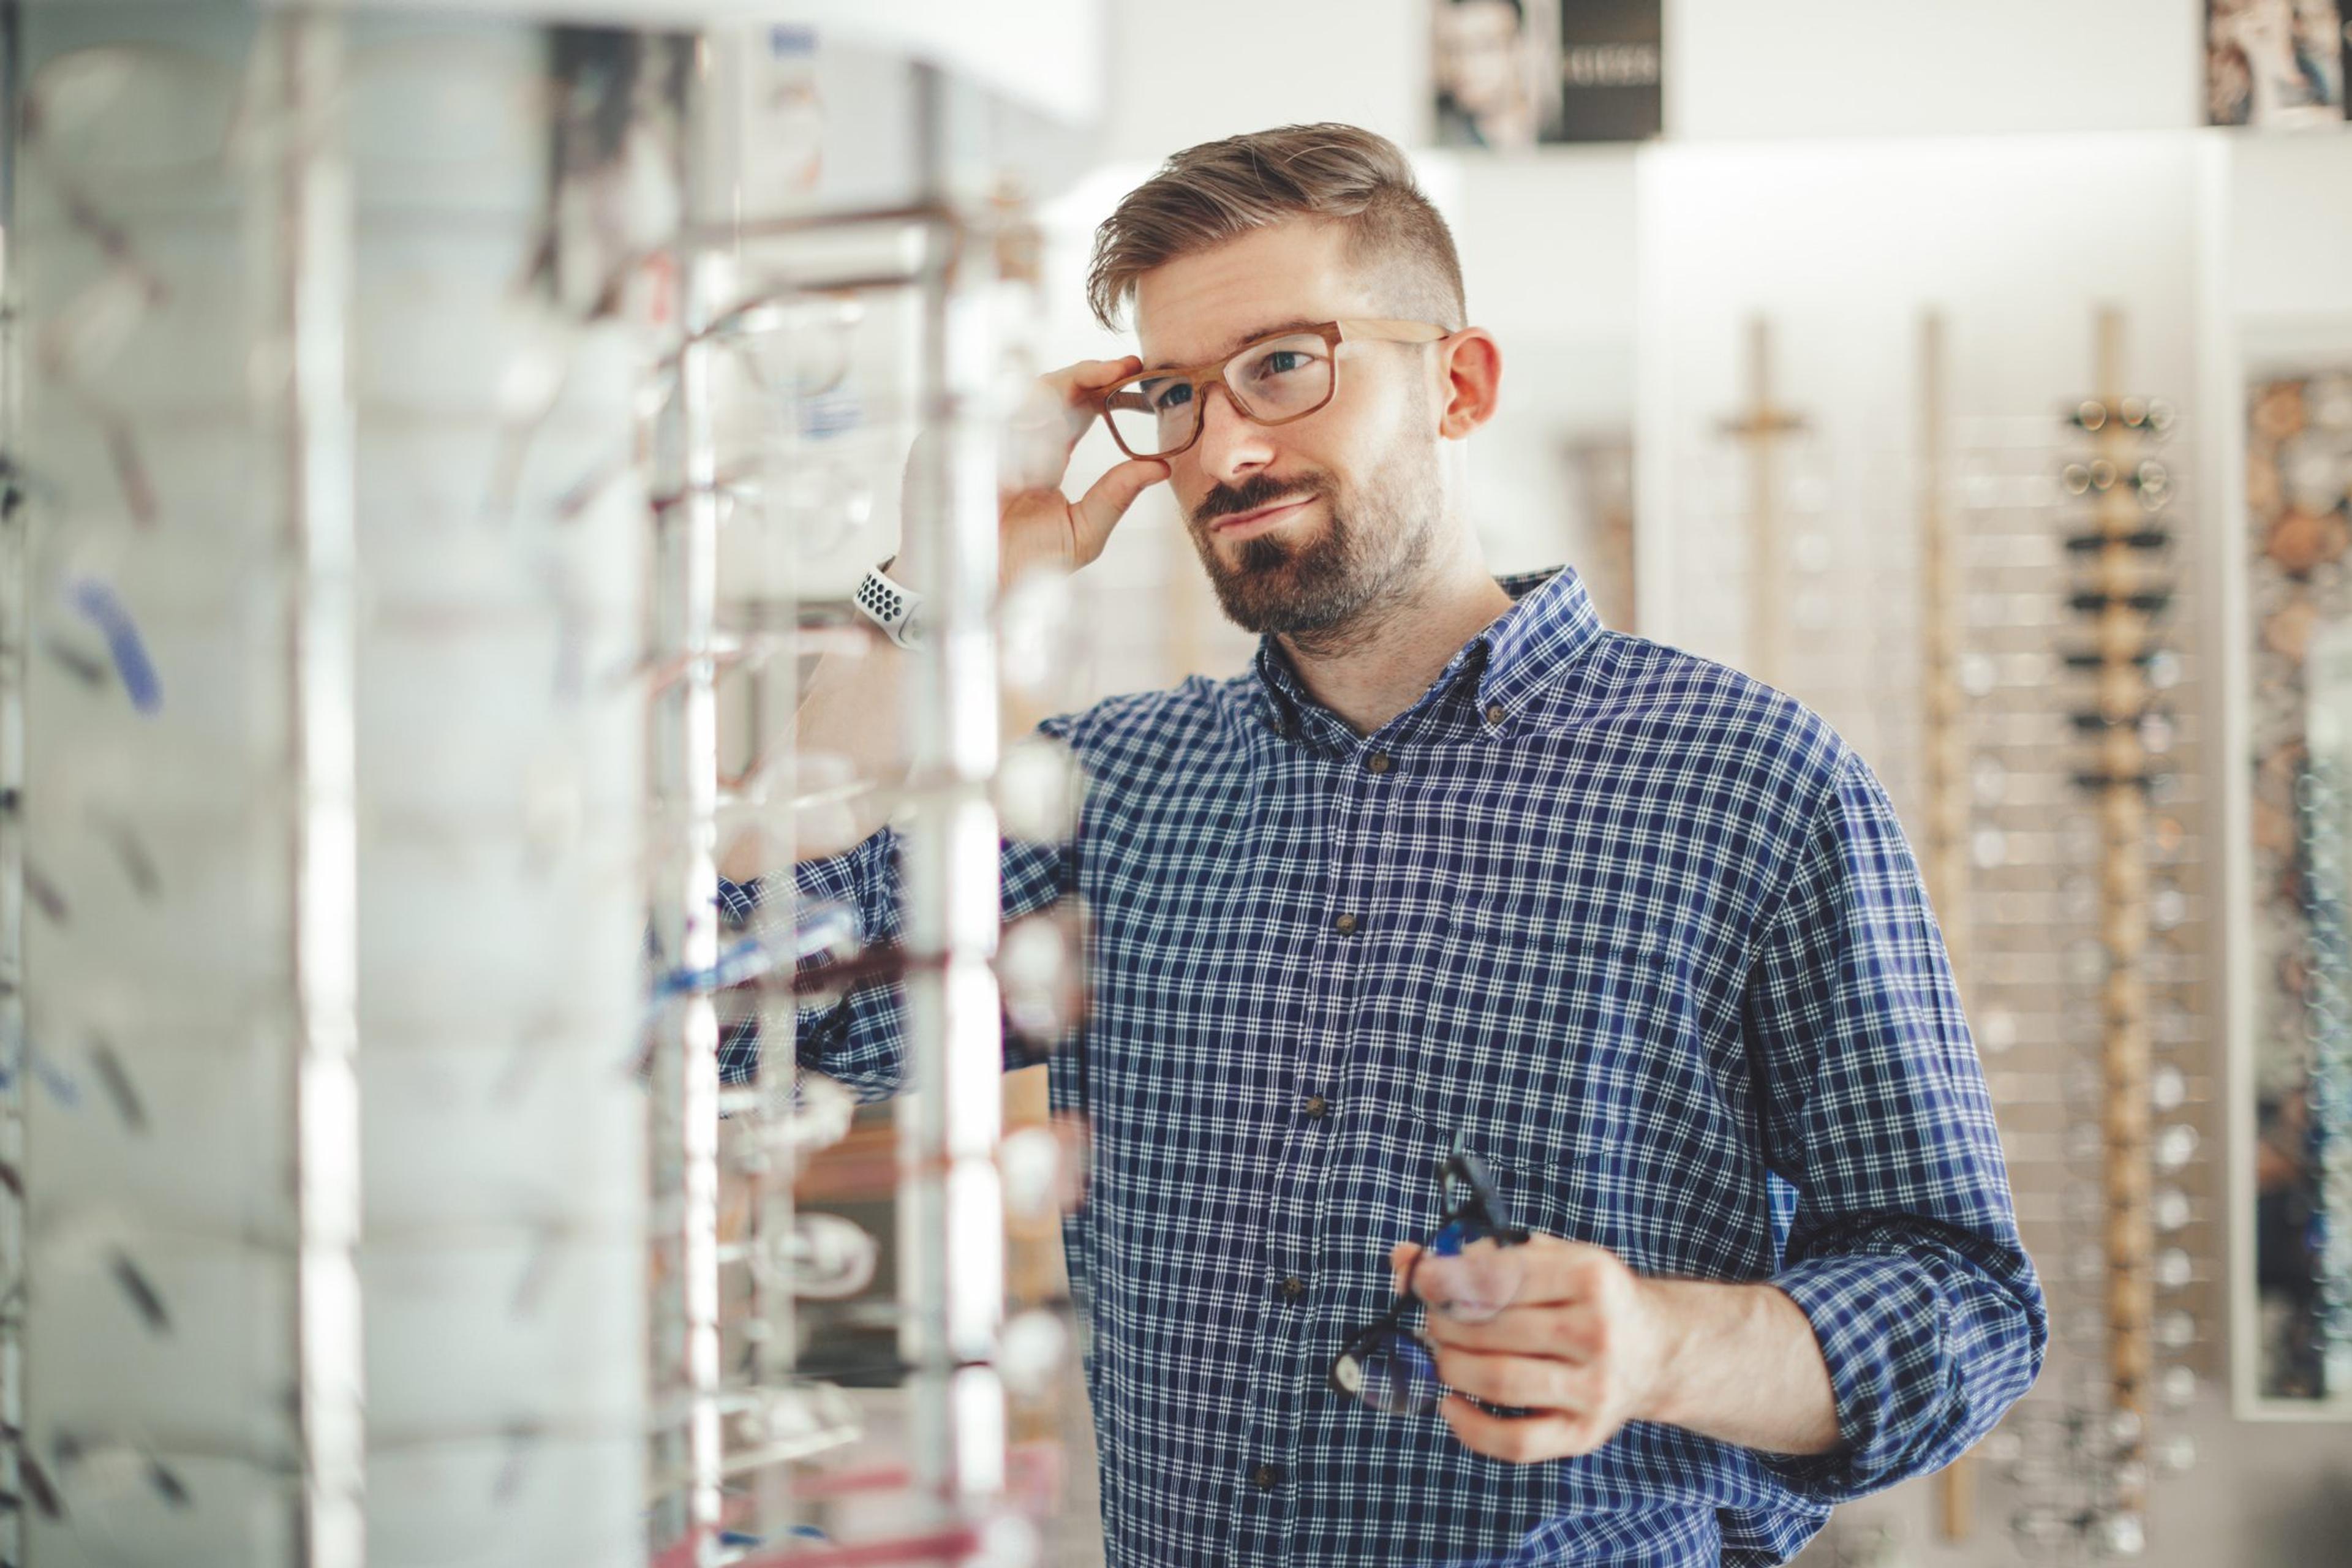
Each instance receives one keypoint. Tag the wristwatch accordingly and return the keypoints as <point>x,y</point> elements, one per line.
<point>891,605</point>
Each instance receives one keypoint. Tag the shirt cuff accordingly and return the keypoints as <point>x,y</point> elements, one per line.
<point>856,1042</point>
<point>1884,1327</point>
<point>840,879</point>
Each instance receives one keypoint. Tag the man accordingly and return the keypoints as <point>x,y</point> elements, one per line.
<point>1454,868</point>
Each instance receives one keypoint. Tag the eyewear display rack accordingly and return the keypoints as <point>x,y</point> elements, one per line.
<point>2123,586</point>
<point>1817,590</point>
<point>15,603</point>
<point>773,311</point>
<point>369,352</point>
<point>1868,627</point>
<point>1762,428</point>
<point>322,644</point>
<point>2085,983</point>
<point>2021,857</point>
<point>1944,805</point>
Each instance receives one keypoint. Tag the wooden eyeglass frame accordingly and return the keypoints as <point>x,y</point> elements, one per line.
<point>1201,377</point>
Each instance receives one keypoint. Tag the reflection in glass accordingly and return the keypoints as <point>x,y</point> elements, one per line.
<point>2302,1173</point>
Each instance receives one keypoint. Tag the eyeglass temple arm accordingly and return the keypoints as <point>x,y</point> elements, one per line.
<point>1404,1303</point>
<point>1388,329</point>
<point>1484,1202</point>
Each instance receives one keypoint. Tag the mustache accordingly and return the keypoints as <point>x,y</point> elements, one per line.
<point>1258,490</point>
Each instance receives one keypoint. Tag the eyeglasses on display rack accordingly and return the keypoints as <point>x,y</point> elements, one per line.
<point>1470,1270</point>
<point>1273,380</point>
<point>824,1258</point>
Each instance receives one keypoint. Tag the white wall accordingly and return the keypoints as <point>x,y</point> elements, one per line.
<point>1930,67</point>
<point>1548,257</point>
<point>2287,245</point>
<point>1187,73</point>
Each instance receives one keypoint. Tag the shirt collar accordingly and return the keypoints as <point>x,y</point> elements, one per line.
<point>1551,624</point>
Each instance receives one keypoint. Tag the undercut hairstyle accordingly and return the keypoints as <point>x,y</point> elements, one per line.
<point>1218,191</point>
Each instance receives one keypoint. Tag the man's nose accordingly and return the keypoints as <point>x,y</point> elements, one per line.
<point>1232,445</point>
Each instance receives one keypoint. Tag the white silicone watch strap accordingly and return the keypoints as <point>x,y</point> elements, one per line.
<point>890,605</point>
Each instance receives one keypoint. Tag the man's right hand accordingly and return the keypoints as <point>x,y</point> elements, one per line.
<point>1038,525</point>
<point>851,709</point>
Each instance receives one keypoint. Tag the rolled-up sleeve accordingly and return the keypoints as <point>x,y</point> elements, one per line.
<point>1904,1250</point>
<point>859,1041</point>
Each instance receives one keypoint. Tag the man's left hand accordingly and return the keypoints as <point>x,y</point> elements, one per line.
<point>1584,1347</point>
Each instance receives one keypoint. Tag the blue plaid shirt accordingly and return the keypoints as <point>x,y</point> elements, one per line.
<point>1644,933</point>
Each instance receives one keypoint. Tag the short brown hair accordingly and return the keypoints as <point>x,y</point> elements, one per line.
<point>1219,191</point>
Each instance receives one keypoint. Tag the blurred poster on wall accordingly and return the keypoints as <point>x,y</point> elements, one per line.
<point>1509,73</point>
<point>1610,75</point>
<point>2276,63</point>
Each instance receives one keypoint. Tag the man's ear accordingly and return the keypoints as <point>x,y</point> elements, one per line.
<point>1470,364</point>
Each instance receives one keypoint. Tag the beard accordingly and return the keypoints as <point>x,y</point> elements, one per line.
<point>1319,590</point>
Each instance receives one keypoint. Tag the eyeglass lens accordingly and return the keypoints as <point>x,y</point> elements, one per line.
<point>827,1258</point>
<point>1465,1272</point>
<point>1391,1371</point>
<point>1157,414</point>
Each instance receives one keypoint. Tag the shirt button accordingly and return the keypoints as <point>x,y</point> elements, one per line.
<point>1274,722</point>
<point>1344,925</point>
<point>1377,763</point>
<point>1316,1108</point>
<point>1293,1286</point>
<point>1494,712</point>
<point>1267,1478</point>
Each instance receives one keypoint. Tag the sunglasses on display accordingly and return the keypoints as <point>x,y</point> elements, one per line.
<point>1470,1270</point>
<point>1271,380</point>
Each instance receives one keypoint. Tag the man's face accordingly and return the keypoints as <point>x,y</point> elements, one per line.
<point>1301,526</point>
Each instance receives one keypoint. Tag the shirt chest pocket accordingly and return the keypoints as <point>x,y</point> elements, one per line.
<point>1534,1037</point>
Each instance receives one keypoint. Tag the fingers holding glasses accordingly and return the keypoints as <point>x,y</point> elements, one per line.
<point>1530,1409</point>
<point>1560,1271</point>
<point>1097,512</point>
<point>1038,525</point>
<point>1042,526</point>
<point>1081,386</point>
<point>1577,1335</point>
<point>1525,1382</point>
<point>1551,1270</point>
<point>1468,1271</point>
<point>1463,1276</point>
<point>1557,1306</point>
<point>1059,409</point>
<point>1524,1439</point>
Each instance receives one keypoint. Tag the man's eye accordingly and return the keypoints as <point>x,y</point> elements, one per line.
<point>1276,363</point>
<point>1175,395</point>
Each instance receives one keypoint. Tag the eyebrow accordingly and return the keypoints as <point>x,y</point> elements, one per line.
<point>1234,345</point>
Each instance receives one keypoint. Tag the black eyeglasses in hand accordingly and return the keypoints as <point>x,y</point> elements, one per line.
<point>1469,1270</point>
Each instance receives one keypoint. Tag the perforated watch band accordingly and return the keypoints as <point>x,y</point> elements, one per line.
<point>892,606</point>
